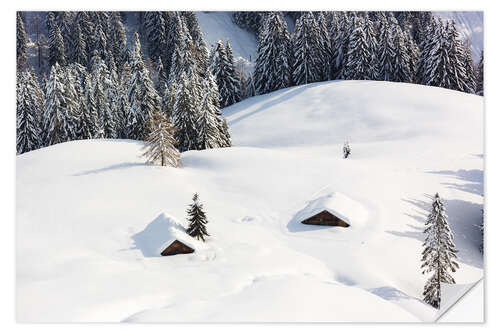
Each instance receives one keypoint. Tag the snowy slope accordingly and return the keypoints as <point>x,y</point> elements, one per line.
<point>470,25</point>
<point>82,205</point>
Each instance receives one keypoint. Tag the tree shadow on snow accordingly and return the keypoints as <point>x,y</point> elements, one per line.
<point>474,180</point>
<point>286,96</point>
<point>109,168</point>
<point>463,218</point>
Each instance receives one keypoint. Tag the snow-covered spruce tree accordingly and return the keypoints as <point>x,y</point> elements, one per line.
<point>413,53</point>
<point>71,99</point>
<point>56,120</point>
<point>324,46</point>
<point>79,73</point>
<point>168,100</point>
<point>458,59</point>
<point>28,110</point>
<point>21,41</point>
<point>232,77</point>
<point>470,70</point>
<point>57,53</point>
<point>479,76</point>
<point>336,33</point>
<point>78,51</point>
<point>160,142</point>
<point>119,39</point>
<point>100,42</point>
<point>426,47</point>
<point>272,66</point>
<point>307,50</point>
<point>183,60</point>
<point>207,122</point>
<point>105,105</point>
<point>64,20</point>
<point>155,30</point>
<point>442,62</point>
<point>162,78</point>
<point>372,43</point>
<point>142,96</point>
<point>439,254</point>
<point>185,116</point>
<point>223,70</point>
<point>386,52</point>
<point>358,65</point>
<point>90,127</point>
<point>401,61</point>
<point>251,21</point>
<point>200,51</point>
<point>87,27</point>
<point>197,220</point>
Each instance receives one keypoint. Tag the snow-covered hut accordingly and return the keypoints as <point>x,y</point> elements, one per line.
<point>164,236</point>
<point>177,241</point>
<point>333,209</point>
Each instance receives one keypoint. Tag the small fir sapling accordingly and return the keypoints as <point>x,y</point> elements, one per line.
<point>197,220</point>
<point>346,149</point>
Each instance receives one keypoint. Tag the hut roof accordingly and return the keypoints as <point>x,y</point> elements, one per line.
<point>337,204</point>
<point>177,232</point>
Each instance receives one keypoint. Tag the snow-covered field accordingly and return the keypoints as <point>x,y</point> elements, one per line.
<point>87,210</point>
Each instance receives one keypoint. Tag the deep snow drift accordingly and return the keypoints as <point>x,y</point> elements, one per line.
<point>88,213</point>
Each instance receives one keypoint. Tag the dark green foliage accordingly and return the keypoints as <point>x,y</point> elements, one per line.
<point>197,220</point>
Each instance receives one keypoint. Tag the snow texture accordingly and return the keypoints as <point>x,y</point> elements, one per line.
<point>80,206</point>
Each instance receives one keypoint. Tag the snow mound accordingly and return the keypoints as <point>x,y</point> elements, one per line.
<point>162,232</point>
<point>337,204</point>
<point>281,299</point>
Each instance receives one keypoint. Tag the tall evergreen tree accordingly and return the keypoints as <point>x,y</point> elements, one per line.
<point>359,65</point>
<point>90,127</point>
<point>479,76</point>
<point>402,61</point>
<point>470,70</point>
<point>155,29</point>
<point>57,53</point>
<point>442,63</point>
<point>272,66</point>
<point>207,123</point>
<point>118,39</point>
<point>160,142</point>
<point>439,253</point>
<point>142,96</point>
<point>78,46</point>
<point>56,120</point>
<point>28,111</point>
<point>21,41</point>
<point>223,70</point>
<point>307,50</point>
<point>185,116</point>
<point>197,219</point>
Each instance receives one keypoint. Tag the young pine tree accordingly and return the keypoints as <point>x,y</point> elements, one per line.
<point>197,220</point>
<point>439,253</point>
<point>160,142</point>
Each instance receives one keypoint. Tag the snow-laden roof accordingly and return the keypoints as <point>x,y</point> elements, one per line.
<point>160,233</point>
<point>337,204</point>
